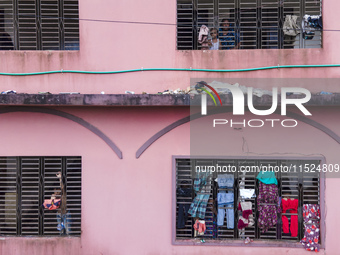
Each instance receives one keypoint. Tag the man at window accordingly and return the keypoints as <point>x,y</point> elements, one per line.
<point>229,39</point>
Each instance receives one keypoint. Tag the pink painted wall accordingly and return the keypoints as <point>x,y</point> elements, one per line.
<point>106,46</point>
<point>123,211</point>
<point>126,204</point>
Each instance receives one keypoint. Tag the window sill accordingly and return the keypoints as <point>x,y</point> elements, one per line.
<point>239,243</point>
<point>3,238</point>
<point>256,50</point>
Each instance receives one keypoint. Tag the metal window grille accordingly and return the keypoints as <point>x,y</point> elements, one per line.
<point>301,185</point>
<point>25,182</point>
<point>258,23</point>
<point>39,25</point>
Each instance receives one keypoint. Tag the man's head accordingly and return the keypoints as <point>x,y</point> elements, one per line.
<point>225,24</point>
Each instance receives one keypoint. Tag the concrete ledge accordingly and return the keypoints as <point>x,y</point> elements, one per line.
<point>144,100</point>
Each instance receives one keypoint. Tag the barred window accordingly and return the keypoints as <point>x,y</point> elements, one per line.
<point>296,184</point>
<point>26,183</point>
<point>39,25</point>
<point>258,24</point>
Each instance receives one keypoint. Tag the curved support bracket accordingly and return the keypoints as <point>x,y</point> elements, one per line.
<point>219,110</point>
<point>68,116</point>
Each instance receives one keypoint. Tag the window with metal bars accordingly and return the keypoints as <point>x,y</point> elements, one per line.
<point>39,25</point>
<point>258,23</point>
<point>26,182</point>
<point>301,185</point>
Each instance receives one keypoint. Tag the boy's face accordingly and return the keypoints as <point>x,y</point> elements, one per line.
<point>213,33</point>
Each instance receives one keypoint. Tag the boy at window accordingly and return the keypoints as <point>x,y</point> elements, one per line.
<point>214,42</point>
<point>228,38</point>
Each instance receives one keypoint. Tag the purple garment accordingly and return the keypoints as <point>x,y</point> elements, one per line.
<point>268,194</point>
<point>311,218</point>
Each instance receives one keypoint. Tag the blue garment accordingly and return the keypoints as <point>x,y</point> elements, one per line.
<point>267,177</point>
<point>183,215</point>
<point>64,222</point>
<point>225,180</point>
<point>199,206</point>
<point>225,200</point>
<point>200,202</point>
<point>201,180</point>
<point>230,40</point>
<point>211,225</point>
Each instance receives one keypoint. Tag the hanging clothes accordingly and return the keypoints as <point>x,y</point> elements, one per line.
<point>290,26</point>
<point>225,180</point>
<point>211,225</point>
<point>203,37</point>
<point>267,177</point>
<point>182,207</point>
<point>198,206</point>
<point>268,206</point>
<point>225,203</point>
<point>247,193</point>
<point>314,21</point>
<point>311,222</point>
<point>51,204</point>
<point>199,228</point>
<point>291,205</point>
<point>246,219</point>
<point>309,24</point>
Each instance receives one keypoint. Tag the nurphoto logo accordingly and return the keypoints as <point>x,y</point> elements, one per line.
<point>239,104</point>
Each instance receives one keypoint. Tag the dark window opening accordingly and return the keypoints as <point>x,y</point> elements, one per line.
<point>304,186</point>
<point>39,25</point>
<point>26,182</point>
<point>257,24</point>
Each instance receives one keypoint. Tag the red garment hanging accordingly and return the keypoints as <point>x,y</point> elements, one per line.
<point>292,205</point>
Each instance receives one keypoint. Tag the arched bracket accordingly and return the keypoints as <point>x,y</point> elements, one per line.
<point>219,110</point>
<point>68,116</point>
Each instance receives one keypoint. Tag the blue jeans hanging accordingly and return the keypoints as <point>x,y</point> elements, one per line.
<point>64,222</point>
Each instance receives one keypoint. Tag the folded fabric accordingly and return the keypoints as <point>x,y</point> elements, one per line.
<point>246,219</point>
<point>204,32</point>
<point>290,26</point>
<point>246,209</point>
<point>51,204</point>
<point>225,180</point>
<point>203,37</point>
<point>244,223</point>
<point>224,198</point>
<point>267,177</point>
<point>199,227</point>
<point>247,193</point>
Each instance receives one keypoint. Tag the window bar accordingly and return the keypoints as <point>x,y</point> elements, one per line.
<point>279,219</point>
<point>236,184</point>
<point>41,196</point>
<point>16,25</point>
<point>280,26</point>
<point>64,181</point>
<point>303,12</point>
<point>237,18</point>
<point>195,24</point>
<point>38,19</point>
<point>19,181</point>
<point>61,25</point>
<point>259,25</point>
